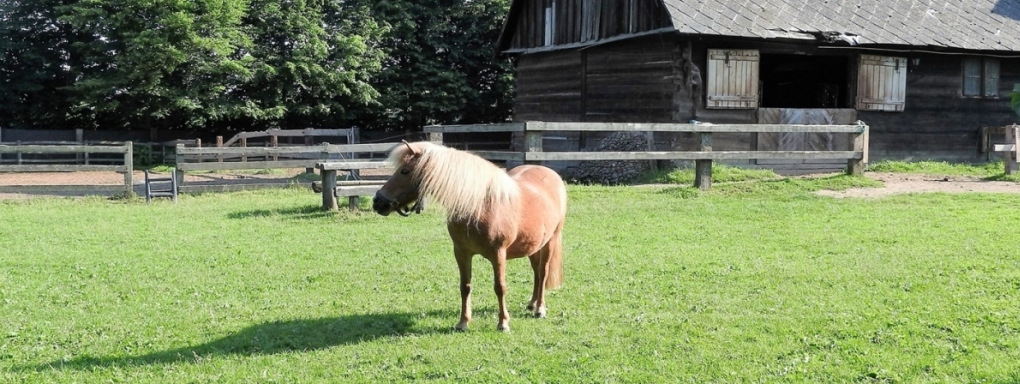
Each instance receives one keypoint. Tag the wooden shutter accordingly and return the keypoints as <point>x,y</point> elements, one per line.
<point>882,83</point>
<point>732,79</point>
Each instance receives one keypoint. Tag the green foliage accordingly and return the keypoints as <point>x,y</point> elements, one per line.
<point>1014,99</point>
<point>772,287</point>
<point>250,64</point>
<point>440,64</point>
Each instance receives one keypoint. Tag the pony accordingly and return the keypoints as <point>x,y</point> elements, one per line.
<point>497,214</point>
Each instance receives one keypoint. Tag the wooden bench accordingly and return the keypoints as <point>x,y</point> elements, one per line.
<point>331,188</point>
<point>1010,150</point>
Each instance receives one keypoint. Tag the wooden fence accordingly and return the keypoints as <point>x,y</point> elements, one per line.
<point>1010,149</point>
<point>248,158</point>
<point>856,155</point>
<point>69,158</point>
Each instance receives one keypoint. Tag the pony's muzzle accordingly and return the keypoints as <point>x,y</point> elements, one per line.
<point>382,205</point>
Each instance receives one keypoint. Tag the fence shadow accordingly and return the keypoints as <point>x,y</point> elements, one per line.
<point>265,339</point>
<point>307,212</point>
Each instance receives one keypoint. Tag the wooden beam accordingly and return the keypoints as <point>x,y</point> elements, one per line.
<point>507,127</point>
<point>62,168</point>
<point>695,155</point>
<point>57,149</point>
<point>104,189</point>
<point>350,165</point>
<point>701,127</point>
<point>500,155</point>
<point>282,151</point>
<point>230,165</point>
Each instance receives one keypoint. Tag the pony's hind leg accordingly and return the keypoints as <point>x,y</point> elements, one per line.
<point>539,263</point>
<point>464,265</point>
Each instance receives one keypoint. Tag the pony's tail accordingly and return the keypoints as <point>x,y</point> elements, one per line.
<point>554,273</point>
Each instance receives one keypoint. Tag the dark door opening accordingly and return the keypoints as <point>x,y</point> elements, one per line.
<point>801,81</point>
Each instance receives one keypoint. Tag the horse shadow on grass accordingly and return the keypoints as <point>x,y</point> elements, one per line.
<point>267,339</point>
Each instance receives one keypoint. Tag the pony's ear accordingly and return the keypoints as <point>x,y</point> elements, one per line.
<point>410,148</point>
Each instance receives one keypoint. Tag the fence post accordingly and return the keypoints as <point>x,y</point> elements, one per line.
<point>219,144</point>
<point>275,141</point>
<point>79,136</point>
<point>329,189</point>
<point>178,173</point>
<point>858,143</point>
<point>436,138</point>
<point>18,143</point>
<point>244,144</point>
<point>1011,157</point>
<point>703,168</point>
<point>309,141</point>
<point>532,144</point>
<point>129,163</point>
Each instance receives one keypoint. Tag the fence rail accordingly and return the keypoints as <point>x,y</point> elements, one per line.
<point>237,158</point>
<point>856,155</point>
<point>70,165</point>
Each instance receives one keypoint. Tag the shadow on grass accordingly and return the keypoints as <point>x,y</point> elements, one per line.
<point>266,339</point>
<point>297,213</point>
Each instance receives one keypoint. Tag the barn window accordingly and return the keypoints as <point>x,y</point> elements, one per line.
<point>732,79</point>
<point>981,77</point>
<point>882,83</point>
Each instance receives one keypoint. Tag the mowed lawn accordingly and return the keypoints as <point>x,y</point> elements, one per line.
<point>752,282</point>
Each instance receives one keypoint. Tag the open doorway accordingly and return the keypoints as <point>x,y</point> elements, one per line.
<point>801,81</point>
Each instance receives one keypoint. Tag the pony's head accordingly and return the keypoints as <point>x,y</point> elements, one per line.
<point>463,183</point>
<point>402,192</point>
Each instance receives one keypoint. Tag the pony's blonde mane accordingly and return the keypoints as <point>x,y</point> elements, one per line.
<point>466,185</point>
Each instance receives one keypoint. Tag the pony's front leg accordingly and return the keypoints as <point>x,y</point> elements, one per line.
<point>499,277</point>
<point>464,265</point>
<point>539,264</point>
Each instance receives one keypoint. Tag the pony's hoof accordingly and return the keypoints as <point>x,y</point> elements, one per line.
<point>531,306</point>
<point>540,313</point>
<point>503,327</point>
<point>462,326</point>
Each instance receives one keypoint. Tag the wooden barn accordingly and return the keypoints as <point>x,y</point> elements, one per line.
<point>925,76</point>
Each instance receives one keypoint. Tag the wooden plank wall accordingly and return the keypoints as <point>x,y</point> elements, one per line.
<point>937,121</point>
<point>578,21</point>
<point>549,87</point>
<point>630,81</point>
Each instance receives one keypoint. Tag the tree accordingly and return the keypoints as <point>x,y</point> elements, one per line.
<point>440,64</point>
<point>169,64</point>
<point>37,50</point>
<point>314,61</point>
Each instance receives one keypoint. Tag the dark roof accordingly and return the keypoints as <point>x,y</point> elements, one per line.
<point>963,24</point>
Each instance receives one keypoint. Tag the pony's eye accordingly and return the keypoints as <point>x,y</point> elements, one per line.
<point>404,171</point>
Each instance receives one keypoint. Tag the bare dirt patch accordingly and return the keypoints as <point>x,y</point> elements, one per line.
<point>898,183</point>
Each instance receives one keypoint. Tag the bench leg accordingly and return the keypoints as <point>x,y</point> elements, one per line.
<point>353,203</point>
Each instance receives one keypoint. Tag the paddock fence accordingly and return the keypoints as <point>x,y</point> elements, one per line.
<point>534,134</point>
<point>52,157</point>
<point>215,159</point>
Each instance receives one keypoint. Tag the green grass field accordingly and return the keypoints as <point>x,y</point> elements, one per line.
<point>751,282</point>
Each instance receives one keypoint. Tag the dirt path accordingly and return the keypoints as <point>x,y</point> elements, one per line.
<point>896,183</point>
